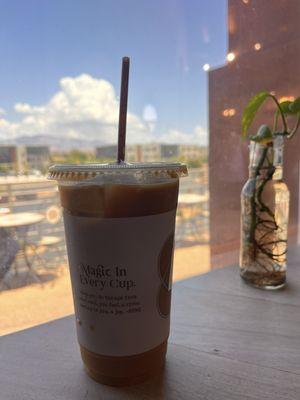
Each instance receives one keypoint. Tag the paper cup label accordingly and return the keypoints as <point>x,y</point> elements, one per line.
<point>121,280</point>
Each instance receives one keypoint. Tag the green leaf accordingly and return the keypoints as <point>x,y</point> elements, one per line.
<point>251,110</point>
<point>285,107</point>
<point>295,106</point>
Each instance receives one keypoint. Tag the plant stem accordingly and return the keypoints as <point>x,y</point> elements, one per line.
<point>281,112</point>
<point>258,207</point>
<point>295,128</point>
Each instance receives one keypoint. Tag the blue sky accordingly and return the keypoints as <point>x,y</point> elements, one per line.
<point>168,43</point>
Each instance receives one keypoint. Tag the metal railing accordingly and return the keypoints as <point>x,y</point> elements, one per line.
<point>36,194</point>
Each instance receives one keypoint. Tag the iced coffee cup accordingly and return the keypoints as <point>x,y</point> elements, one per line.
<point>119,225</point>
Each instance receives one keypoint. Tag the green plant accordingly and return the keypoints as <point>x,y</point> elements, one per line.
<point>283,110</point>
<point>264,233</point>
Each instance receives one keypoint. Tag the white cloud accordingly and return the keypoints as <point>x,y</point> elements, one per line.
<point>84,107</point>
<point>149,113</point>
<point>150,116</point>
<point>2,111</point>
<point>88,108</point>
<point>24,108</point>
<point>199,137</point>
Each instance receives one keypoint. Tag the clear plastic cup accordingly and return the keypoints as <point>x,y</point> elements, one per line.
<point>119,225</point>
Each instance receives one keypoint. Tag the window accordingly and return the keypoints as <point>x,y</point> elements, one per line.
<point>194,66</point>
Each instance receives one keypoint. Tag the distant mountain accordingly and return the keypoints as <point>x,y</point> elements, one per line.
<point>55,143</point>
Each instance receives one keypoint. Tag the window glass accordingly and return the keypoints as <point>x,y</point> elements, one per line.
<point>194,66</point>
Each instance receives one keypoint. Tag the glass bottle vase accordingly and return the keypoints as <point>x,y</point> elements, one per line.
<point>264,218</point>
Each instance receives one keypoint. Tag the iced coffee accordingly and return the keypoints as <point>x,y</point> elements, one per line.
<point>119,225</point>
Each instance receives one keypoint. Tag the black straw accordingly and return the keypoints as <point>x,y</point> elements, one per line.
<point>123,109</point>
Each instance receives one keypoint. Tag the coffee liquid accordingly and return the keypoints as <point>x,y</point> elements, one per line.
<point>111,208</point>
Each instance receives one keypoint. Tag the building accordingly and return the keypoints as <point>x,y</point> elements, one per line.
<point>20,159</point>
<point>106,152</point>
<point>109,153</point>
<point>38,157</point>
<point>133,153</point>
<point>193,152</point>
<point>151,152</point>
<point>154,152</point>
<point>13,158</point>
<point>263,54</point>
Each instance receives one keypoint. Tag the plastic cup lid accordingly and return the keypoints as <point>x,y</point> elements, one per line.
<point>89,171</point>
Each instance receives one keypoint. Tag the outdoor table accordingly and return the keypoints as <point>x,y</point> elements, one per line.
<point>229,341</point>
<point>191,216</point>
<point>4,211</point>
<point>22,219</point>
<point>19,224</point>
